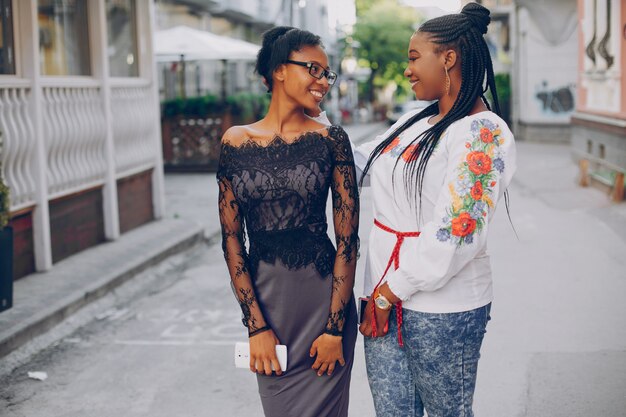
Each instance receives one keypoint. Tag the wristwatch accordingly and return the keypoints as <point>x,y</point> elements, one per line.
<point>381,302</point>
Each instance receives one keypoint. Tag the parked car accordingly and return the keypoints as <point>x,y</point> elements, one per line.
<point>399,109</point>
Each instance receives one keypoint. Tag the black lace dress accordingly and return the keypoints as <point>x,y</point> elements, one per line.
<point>292,279</point>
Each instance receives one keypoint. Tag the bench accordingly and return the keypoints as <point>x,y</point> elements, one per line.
<point>612,175</point>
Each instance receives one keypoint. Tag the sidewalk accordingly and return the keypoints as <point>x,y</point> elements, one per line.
<point>43,300</point>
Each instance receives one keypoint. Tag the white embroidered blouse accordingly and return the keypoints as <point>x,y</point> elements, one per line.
<point>445,269</point>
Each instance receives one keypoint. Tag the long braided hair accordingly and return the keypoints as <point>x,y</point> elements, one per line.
<point>462,32</point>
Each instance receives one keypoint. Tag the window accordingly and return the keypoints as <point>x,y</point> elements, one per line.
<point>64,37</point>
<point>122,34</point>
<point>7,58</point>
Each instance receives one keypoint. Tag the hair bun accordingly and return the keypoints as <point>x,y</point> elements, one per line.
<point>477,15</point>
<point>270,36</point>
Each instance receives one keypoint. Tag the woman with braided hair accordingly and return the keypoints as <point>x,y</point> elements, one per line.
<point>294,287</point>
<point>436,177</point>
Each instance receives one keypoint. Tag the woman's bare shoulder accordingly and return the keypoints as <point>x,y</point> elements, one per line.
<point>235,135</point>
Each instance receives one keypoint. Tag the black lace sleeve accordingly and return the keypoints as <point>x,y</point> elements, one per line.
<point>346,221</point>
<point>233,245</point>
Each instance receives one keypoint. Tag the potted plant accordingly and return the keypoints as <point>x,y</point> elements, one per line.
<point>6,244</point>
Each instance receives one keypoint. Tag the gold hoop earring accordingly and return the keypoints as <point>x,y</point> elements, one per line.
<point>447,80</point>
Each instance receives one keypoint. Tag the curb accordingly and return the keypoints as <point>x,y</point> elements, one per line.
<point>68,288</point>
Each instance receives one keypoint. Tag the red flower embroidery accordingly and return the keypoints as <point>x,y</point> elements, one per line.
<point>392,145</point>
<point>486,135</point>
<point>477,191</point>
<point>493,183</point>
<point>463,225</point>
<point>408,154</point>
<point>479,162</point>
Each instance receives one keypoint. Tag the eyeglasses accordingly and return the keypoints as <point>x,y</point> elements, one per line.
<point>317,71</point>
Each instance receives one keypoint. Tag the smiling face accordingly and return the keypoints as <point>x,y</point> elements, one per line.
<point>299,84</point>
<point>425,70</point>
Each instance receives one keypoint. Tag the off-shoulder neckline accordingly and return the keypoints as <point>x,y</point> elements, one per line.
<point>278,139</point>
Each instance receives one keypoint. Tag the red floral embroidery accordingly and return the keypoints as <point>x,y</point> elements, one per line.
<point>473,189</point>
<point>463,225</point>
<point>486,135</point>
<point>408,154</point>
<point>479,163</point>
<point>392,145</point>
<point>477,191</point>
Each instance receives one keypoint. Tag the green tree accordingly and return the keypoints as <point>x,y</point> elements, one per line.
<point>362,6</point>
<point>383,32</point>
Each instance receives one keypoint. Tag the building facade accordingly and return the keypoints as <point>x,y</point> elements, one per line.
<point>544,69</point>
<point>80,119</point>
<point>599,123</point>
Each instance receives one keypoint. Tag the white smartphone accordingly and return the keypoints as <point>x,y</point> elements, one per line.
<point>242,356</point>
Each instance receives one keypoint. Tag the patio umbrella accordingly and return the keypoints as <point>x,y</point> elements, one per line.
<point>197,45</point>
<point>182,43</point>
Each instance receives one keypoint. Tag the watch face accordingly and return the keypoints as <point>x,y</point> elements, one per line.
<point>382,303</point>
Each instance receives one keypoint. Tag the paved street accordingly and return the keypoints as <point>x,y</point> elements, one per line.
<point>556,346</point>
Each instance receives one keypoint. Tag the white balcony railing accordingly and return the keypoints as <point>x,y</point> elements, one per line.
<point>135,125</point>
<point>75,137</point>
<point>19,145</point>
<point>66,134</point>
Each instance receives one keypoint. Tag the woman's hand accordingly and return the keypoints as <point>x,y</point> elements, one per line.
<point>329,350</point>
<point>382,319</point>
<point>263,353</point>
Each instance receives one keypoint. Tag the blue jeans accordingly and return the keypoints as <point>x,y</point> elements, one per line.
<point>436,369</point>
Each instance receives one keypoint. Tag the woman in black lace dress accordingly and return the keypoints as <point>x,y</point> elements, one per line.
<point>293,286</point>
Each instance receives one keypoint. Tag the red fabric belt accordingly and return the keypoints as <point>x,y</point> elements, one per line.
<point>395,260</point>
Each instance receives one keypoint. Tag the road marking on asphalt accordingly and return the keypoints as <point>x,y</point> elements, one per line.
<point>177,342</point>
<point>359,342</point>
<point>174,315</point>
<point>189,327</point>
